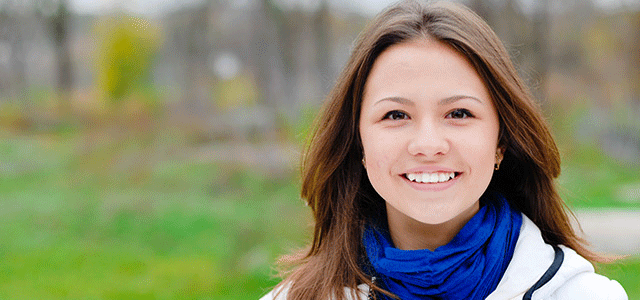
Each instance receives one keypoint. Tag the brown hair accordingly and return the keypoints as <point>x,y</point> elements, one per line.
<point>342,198</point>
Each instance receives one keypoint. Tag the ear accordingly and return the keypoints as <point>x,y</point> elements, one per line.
<point>500,153</point>
<point>501,150</point>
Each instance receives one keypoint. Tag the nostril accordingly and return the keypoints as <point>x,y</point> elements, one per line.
<point>428,146</point>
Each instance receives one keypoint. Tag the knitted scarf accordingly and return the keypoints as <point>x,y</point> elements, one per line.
<point>468,267</point>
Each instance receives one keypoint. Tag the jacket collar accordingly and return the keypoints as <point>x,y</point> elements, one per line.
<point>532,257</point>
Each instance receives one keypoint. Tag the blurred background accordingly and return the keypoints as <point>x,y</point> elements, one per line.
<point>149,149</point>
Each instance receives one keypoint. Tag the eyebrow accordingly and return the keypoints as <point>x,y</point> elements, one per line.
<point>444,101</point>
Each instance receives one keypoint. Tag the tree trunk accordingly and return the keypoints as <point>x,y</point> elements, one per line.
<point>635,61</point>
<point>541,48</point>
<point>322,28</point>
<point>60,28</point>
<point>196,57</point>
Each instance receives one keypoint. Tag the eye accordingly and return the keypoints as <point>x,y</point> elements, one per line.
<point>395,115</point>
<point>460,113</point>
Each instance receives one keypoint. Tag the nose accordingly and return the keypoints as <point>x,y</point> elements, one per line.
<point>428,140</point>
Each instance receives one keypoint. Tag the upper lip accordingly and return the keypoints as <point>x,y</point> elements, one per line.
<point>430,169</point>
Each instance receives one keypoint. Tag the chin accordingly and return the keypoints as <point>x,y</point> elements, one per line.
<point>433,219</point>
<point>440,215</point>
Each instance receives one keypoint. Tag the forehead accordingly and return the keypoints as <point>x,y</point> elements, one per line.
<point>423,67</point>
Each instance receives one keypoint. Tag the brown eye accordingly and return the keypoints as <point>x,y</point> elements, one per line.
<point>395,115</point>
<point>460,114</point>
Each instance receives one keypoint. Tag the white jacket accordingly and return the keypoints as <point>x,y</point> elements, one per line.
<point>532,257</point>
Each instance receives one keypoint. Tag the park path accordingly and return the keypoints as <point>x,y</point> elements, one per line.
<point>611,231</point>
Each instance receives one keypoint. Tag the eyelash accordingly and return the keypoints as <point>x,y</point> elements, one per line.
<point>461,110</point>
<point>395,112</point>
<point>404,115</point>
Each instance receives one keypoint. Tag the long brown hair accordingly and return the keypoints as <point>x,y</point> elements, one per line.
<point>333,180</point>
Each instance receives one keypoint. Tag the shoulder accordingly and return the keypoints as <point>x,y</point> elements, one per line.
<point>278,293</point>
<point>270,296</point>
<point>281,292</point>
<point>590,286</point>
<point>575,279</point>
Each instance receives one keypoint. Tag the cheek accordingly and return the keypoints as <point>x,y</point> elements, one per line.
<point>382,163</point>
<point>379,153</point>
<point>377,156</point>
<point>479,147</point>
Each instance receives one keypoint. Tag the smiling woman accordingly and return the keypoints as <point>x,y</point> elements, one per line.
<point>447,125</point>
<point>431,175</point>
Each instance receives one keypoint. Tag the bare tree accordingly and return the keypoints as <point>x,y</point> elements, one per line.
<point>59,30</point>
<point>322,26</point>
<point>19,21</point>
<point>14,26</point>
<point>196,53</point>
<point>266,52</point>
<point>540,47</point>
<point>635,60</point>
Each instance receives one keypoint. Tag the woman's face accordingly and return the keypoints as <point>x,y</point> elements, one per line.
<point>430,133</point>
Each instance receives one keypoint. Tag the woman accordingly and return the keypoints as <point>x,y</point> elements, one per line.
<point>431,175</point>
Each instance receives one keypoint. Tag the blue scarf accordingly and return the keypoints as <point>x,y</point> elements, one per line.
<point>468,267</point>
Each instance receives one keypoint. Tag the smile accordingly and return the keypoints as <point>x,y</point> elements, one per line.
<point>437,177</point>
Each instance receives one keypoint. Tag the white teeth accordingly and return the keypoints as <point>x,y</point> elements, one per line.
<point>442,177</point>
<point>435,177</point>
<point>430,177</point>
<point>425,177</point>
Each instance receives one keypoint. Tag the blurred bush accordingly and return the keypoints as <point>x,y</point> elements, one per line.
<point>125,55</point>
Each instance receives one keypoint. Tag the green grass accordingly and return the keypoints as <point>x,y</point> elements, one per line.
<point>105,225</point>
<point>188,231</point>
<point>591,179</point>
<point>626,272</point>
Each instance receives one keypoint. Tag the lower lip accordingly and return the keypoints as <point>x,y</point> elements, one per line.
<point>432,187</point>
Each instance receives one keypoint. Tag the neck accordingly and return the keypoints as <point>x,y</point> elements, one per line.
<point>410,234</point>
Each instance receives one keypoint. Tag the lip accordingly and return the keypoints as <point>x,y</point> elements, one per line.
<point>431,187</point>
<point>430,169</point>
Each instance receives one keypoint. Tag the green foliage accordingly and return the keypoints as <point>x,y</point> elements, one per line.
<point>12,116</point>
<point>125,54</point>
<point>591,179</point>
<point>240,91</point>
<point>304,128</point>
<point>299,129</point>
<point>190,231</point>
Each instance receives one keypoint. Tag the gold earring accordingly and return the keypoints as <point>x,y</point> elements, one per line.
<point>496,166</point>
<point>364,162</point>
